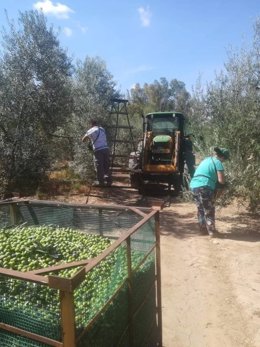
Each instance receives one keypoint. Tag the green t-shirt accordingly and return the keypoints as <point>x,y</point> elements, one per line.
<point>205,174</point>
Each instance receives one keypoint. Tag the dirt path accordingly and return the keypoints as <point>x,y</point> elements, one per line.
<point>210,287</point>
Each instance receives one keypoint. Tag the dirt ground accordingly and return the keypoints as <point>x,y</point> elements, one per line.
<point>210,287</point>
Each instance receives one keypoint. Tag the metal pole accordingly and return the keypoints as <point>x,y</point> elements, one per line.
<point>130,292</point>
<point>158,276</point>
<point>100,221</point>
<point>13,214</point>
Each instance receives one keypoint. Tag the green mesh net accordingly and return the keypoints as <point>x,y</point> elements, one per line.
<point>115,302</point>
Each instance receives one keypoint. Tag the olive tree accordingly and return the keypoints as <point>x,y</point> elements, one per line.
<point>35,99</point>
<point>93,89</point>
<point>230,117</point>
<point>160,96</point>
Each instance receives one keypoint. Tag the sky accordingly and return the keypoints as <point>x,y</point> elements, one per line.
<point>142,41</point>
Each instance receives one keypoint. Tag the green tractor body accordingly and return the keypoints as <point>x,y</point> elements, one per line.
<point>160,155</point>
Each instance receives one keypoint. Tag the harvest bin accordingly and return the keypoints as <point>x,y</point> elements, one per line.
<point>122,307</point>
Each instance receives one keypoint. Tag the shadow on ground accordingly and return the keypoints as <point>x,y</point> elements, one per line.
<point>179,225</point>
<point>242,227</point>
<point>153,195</point>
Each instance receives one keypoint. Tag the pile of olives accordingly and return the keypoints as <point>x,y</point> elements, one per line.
<point>36,307</point>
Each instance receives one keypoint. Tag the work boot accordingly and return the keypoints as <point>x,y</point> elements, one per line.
<point>98,184</point>
<point>203,229</point>
<point>211,233</point>
<point>211,228</point>
<point>108,180</point>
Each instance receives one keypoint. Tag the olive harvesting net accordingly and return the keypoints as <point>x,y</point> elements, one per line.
<point>115,301</point>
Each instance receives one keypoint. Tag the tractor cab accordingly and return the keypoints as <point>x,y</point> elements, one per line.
<point>160,129</point>
<point>160,158</point>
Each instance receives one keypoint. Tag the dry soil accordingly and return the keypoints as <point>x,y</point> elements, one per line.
<point>210,287</point>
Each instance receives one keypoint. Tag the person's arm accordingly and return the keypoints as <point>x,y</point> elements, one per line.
<point>221,184</point>
<point>221,177</point>
<point>84,138</point>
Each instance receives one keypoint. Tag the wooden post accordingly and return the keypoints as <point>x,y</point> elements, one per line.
<point>68,319</point>
<point>158,276</point>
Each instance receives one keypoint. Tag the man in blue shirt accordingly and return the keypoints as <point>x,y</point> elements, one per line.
<point>207,176</point>
<point>97,136</point>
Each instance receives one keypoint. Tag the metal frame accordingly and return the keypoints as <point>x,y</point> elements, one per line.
<point>67,286</point>
<point>119,108</point>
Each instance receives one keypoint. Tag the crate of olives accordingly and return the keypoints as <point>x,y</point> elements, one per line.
<point>105,276</point>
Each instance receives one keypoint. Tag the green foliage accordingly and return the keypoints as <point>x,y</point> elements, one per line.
<point>36,94</point>
<point>228,115</point>
<point>160,96</point>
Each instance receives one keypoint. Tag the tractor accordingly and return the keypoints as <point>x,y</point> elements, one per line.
<point>160,155</point>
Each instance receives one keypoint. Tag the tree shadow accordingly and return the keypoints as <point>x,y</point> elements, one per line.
<point>179,225</point>
<point>153,195</point>
<point>115,195</point>
<point>244,227</point>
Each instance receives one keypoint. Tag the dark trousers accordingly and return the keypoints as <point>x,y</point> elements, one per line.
<point>101,159</point>
<point>204,199</point>
<point>190,161</point>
